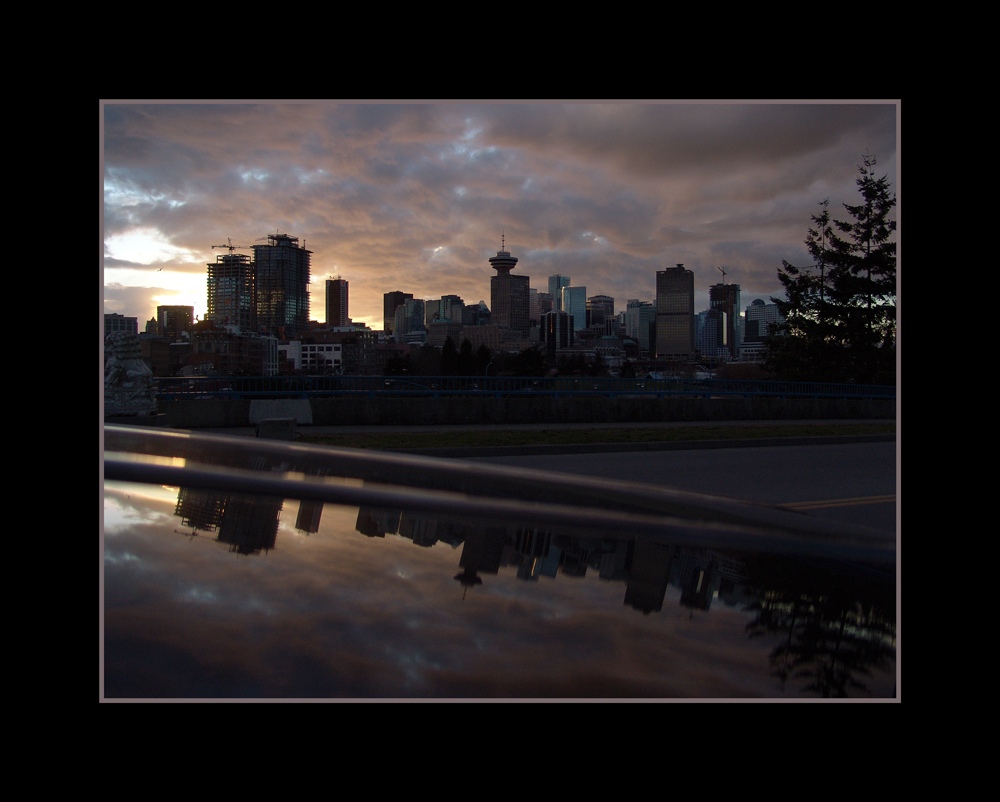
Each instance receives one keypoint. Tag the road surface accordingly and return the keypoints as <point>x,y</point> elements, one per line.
<point>854,482</point>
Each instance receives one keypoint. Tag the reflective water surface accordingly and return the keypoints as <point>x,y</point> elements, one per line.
<point>210,593</point>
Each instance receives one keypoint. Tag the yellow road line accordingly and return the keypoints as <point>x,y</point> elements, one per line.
<point>840,502</point>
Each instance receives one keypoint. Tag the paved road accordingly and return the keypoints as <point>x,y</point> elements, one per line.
<point>853,482</point>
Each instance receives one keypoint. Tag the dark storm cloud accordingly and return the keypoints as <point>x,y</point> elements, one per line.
<point>414,197</point>
<point>666,139</point>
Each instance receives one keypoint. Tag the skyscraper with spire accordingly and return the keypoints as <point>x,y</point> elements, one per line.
<point>509,295</point>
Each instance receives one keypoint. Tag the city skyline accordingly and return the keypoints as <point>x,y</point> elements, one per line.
<point>416,197</point>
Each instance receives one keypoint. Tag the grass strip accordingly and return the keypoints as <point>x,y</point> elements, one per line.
<point>503,437</point>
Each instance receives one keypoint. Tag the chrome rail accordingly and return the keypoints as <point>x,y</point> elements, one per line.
<point>477,491</point>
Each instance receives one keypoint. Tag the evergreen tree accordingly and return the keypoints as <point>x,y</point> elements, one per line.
<point>840,313</point>
<point>483,358</point>
<point>449,358</point>
<point>466,360</point>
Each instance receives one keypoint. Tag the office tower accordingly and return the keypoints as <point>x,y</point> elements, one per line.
<point>545,303</point>
<point>600,312</point>
<point>410,318</point>
<point>711,338</point>
<point>509,295</point>
<point>556,284</point>
<point>172,320</point>
<point>605,301</point>
<point>726,298</point>
<point>451,308</point>
<point>391,301</point>
<point>574,302</point>
<point>476,315</point>
<point>638,316</point>
<point>281,284</point>
<point>674,313</point>
<point>230,292</point>
<point>760,318</point>
<point>432,311</point>
<point>557,332</point>
<point>336,302</point>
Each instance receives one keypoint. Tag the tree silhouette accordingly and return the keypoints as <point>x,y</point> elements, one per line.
<point>838,628</point>
<point>840,312</point>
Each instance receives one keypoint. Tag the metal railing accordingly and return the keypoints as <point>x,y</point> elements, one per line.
<point>501,386</point>
<point>478,492</point>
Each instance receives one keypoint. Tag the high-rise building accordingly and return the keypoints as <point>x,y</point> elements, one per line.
<point>601,312</point>
<point>674,313</point>
<point>574,302</point>
<point>230,292</point>
<point>509,296</point>
<point>760,318</point>
<point>451,308</point>
<point>711,334</point>
<point>172,320</point>
<point>391,301</point>
<point>410,320</point>
<point>726,298</point>
<point>336,302</point>
<point>281,285</point>
<point>557,332</point>
<point>432,311</point>
<point>603,300</point>
<point>638,317</point>
<point>556,284</point>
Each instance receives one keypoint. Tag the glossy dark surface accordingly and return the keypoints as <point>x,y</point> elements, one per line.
<point>210,593</point>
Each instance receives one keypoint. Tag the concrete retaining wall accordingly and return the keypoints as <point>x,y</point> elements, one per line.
<point>395,410</point>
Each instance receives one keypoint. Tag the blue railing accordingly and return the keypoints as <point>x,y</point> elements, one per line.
<point>500,386</point>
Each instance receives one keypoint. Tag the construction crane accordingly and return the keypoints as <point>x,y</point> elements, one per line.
<point>233,247</point>
<point>723,274</point>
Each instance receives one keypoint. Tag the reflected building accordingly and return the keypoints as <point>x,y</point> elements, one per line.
<point>200,509</point>
<point>649,575</point>
<point>307,519</point>
<point>250,523</point>
<point>376,522</point>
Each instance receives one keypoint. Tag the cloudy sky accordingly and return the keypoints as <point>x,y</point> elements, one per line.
<point>415,197</point>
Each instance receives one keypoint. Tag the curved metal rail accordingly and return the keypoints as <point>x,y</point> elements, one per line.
<point>478,491</point>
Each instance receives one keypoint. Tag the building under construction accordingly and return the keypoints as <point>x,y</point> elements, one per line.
<point>231,292</point>
<point>267,293</point>
<point>281,285</point>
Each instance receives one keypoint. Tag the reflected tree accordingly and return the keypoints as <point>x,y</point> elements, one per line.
<point>837,630</point>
